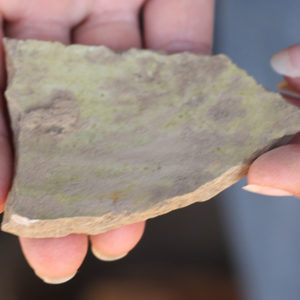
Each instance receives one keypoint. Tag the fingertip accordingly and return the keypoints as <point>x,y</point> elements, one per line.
<point>116,243</point>
<point>53,259</point>
<point>56,280</point>
<point>105,257</point>
<point>287,61</point>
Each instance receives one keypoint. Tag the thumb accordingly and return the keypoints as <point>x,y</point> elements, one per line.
<point>276,173</point>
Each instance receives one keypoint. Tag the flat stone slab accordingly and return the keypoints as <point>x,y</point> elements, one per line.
<point>104,139</point>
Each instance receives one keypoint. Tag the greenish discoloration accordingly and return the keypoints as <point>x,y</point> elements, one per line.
<point>98,132</point>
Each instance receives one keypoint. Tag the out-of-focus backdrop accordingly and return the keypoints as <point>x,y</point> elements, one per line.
<point>235,246</point>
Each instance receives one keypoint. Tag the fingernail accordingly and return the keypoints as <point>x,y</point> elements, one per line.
<point>266,190</point>
<point>60,280</point>
<point>179,46</point>
<point>106,257</point>
<point>281,63</point>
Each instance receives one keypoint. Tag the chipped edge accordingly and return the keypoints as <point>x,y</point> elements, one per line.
<point>23,220</point>
<point>94,225</point>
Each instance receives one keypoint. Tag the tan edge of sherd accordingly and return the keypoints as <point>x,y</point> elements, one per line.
<point>23,226</point>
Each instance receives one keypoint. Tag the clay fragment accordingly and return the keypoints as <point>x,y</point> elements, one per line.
<point>104,139</point>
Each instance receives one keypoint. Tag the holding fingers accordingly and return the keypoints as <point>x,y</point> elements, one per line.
<point>276,172</point>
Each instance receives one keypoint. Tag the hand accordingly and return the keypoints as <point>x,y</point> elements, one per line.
<point>170,25</point>
<point>277,172</point>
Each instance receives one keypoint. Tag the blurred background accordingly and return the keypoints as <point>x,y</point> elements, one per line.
<point>236,246</point>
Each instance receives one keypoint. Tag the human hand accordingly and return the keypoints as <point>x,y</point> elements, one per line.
<point>170,25</point>
<point>276,172</point>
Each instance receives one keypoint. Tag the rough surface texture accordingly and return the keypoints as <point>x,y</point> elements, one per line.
<point>104,139</point>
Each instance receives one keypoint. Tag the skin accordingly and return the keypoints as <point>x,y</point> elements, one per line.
<point>169,25</point>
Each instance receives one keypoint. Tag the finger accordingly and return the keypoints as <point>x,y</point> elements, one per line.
<point>111,23</point>
<point>287,62</point>
<point>179,25</point>
<point>6,161</point>
<point>277,172</point>
<point>6,156</point>
<point>47,20</point>
<point>294,82</point>
<point>115,244</point>
<point>26,29</point>
<point>296,139</point>
<point>55,260</point>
